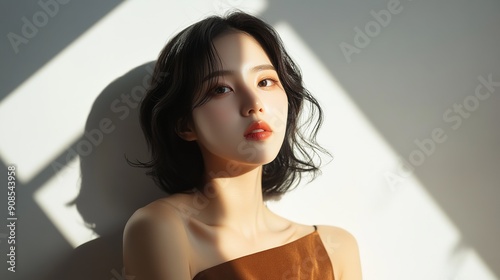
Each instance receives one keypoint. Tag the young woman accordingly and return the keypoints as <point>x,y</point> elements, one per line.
<point>221,119</point>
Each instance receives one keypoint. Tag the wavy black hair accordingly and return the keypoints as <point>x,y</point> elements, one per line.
<point>177,165</point>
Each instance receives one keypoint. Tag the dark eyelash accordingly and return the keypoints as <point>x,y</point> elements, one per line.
<point>214,89</point>
<point>270,79</point>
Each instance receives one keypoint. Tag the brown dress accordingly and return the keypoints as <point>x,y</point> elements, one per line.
<point>304,258</point>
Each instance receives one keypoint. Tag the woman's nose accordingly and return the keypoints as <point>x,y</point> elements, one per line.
<point>251,103</point>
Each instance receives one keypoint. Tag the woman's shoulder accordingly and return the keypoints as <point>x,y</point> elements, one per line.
<point>159,217</point>
<point>336,239</point>
<point>335,233</point>
<point>160,214</point>
<point>156,233</point>
<point>342,249</point>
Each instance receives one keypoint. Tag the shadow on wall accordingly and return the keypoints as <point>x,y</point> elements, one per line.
<point>111,190</point>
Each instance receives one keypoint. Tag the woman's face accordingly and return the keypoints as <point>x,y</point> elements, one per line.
<point>245,120</point>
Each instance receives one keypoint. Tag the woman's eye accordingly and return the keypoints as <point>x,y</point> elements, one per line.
<point>221,90</point>
<point>266,83</point>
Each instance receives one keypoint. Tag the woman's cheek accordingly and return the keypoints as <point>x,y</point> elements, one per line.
<point>218,115</point>
<point>213,121</point>
<point>278,112</point>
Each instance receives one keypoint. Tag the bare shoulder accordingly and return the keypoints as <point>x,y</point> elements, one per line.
<point>155,244</point>
<point>336,235</point>
<point>343,251</point>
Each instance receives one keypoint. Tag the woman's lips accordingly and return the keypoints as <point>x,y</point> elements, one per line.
<point>257,131</point>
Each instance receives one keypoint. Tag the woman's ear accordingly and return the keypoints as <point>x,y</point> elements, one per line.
<point>185,130</point>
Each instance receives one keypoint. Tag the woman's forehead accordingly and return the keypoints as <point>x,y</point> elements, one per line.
<point>239,51</point>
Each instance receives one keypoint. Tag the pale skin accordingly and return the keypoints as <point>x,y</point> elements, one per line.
<point>180,235</point>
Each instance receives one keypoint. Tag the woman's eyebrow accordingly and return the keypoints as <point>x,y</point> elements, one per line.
<point>231,72</point>
<point>262,67</point>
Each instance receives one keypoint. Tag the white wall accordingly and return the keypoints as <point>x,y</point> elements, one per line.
<point>413,179</point>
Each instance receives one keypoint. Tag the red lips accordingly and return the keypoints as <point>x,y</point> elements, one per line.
<point>257,131</point>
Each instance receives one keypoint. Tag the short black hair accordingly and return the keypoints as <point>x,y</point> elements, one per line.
<point>176,165</point>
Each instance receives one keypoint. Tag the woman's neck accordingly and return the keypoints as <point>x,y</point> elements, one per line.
<point>235,197</point>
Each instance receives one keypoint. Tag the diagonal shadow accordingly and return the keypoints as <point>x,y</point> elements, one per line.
<point>57,25</point>
<point>38,242</point>
<point>110,192</point>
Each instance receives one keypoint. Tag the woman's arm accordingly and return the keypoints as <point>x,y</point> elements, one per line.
<point>155,245</point>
